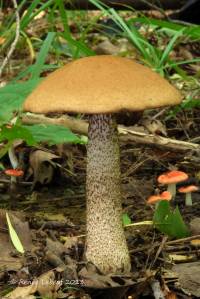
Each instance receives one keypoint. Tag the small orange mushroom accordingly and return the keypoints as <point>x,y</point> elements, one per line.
<point>166,195</point>
<point>171,178</point>
<point>14,172</point>
<point>188,196</point>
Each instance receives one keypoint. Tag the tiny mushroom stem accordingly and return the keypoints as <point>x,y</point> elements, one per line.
<point>172,189</point>
<point>188,193</point>
<point>188,199</point>
<point>15,163</point>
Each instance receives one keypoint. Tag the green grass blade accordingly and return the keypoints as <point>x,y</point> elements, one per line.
<point>133,35</point>
<point>169,47</point>
<point>195,60</point>
<point>77,48</point>
<point>38,66</point>
<point>31,13</point>
<point>192,31</point>
<point>64,19</point>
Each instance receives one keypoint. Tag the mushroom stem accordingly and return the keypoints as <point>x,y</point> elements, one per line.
<point>14,162</point>
<point>172,189</point>
<point>188,199</point>
<point>106,244</point>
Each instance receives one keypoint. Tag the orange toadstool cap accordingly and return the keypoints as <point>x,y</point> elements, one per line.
<point>166,195</point>
<point>14,172</point>
<point>187,189</point>
<point>172,177</point>
<point>163,196</point>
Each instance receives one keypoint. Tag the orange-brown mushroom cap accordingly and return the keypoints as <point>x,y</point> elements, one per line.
<point>172,177</point>
<point>166,195</point>
<point>14,172</point>
<point>102,84</point>
<point>187,189</point>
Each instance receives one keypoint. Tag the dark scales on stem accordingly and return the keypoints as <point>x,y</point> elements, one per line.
<point>106,244</point>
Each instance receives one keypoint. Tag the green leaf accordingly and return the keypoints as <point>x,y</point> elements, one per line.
<point>1,164</point>
<point>179,229</point>
<point>13,235</point>
<point>169,222</point>
<point>12,96</point>
<point>16,132</point>
<point>5,149</point>
<point>126,219</point>
<point>53,134</point>
<point>169,47</point>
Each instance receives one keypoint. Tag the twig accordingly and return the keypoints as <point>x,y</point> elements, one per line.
<point>157,244</point>
<point>183,240</point>
<point>2,181</point>
<point>160,248</point>
<point>17,33</point>
<point>125,134</point>
<point>153,6</point>
<point>161,112</point>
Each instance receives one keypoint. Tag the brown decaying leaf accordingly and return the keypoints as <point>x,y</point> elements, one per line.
<point>188,277</point>
<point>42,166</point>
<point>45,285</point>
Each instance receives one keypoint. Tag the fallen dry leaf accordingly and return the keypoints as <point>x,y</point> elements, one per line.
<point>70,242</point>
<point>42,166</point>
<point>47,285</point>
<point>55,246</point>
<point>91,278</point>
<point>22,292</point>
<point>188,277</point>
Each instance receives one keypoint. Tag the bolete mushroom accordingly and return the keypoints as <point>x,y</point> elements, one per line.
<point>100,86</point>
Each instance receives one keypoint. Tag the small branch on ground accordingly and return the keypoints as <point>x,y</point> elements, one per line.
<point>125,134</point>
<point>157,244</point>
